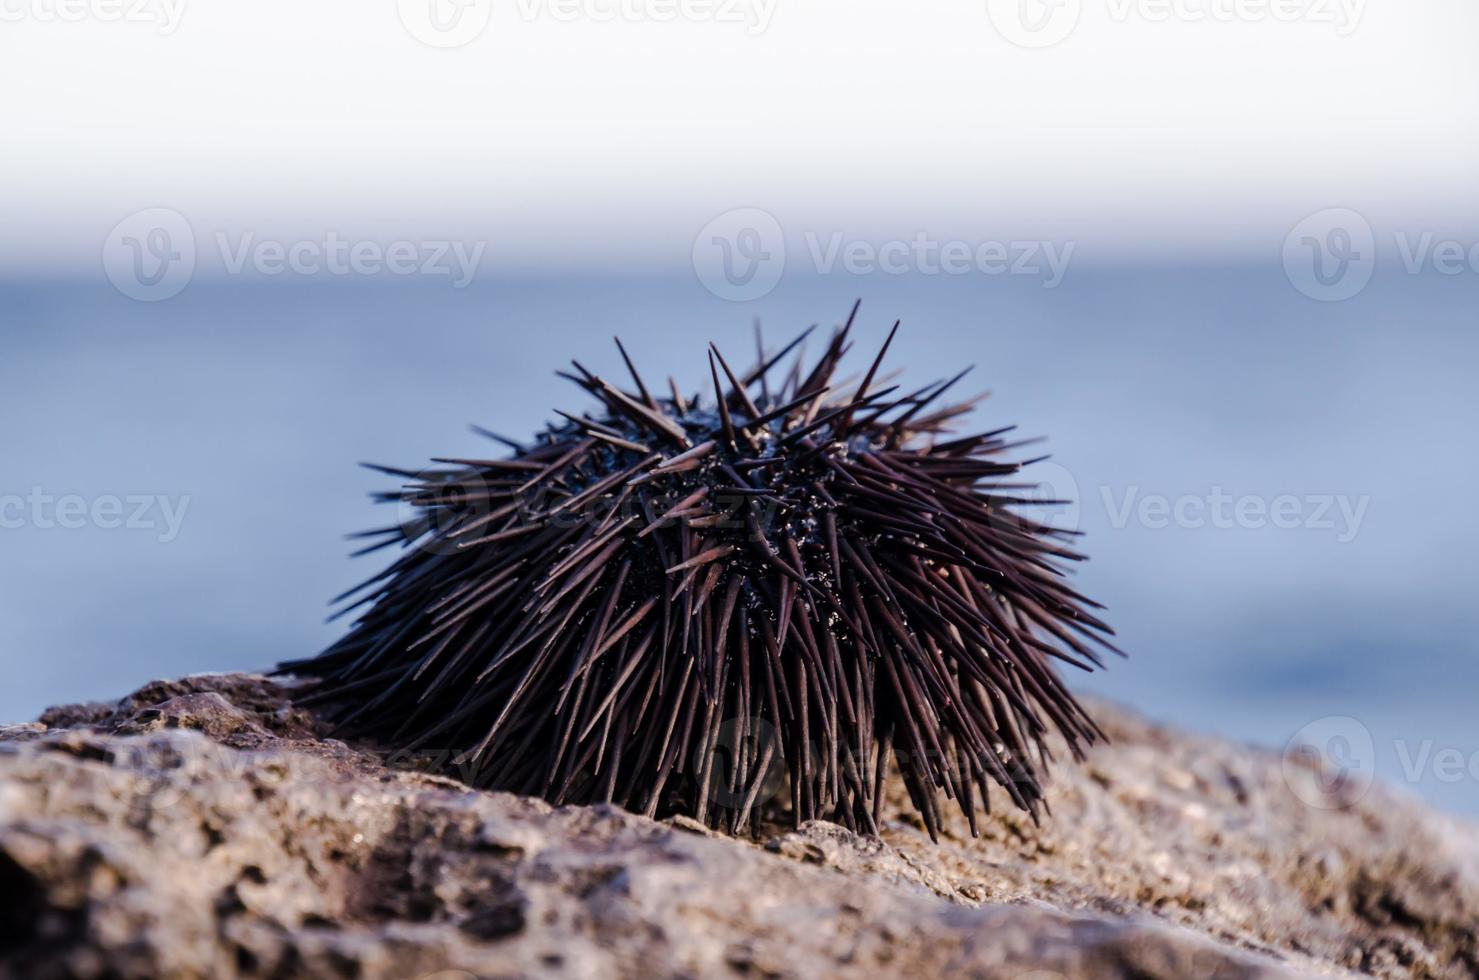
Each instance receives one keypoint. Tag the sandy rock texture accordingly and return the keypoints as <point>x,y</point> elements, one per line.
<point>204,827</point>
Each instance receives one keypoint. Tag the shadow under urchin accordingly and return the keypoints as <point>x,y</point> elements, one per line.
<point>677,604</point>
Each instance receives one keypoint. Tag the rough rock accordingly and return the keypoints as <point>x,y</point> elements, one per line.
<point>205,827</point>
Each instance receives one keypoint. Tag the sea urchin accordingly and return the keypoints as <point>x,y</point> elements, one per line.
<point>680,606</point>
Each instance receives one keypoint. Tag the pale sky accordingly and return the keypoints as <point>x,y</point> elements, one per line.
<point>609,131</point>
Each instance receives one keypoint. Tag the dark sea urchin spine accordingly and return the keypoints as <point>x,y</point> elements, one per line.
<point>679,608</point>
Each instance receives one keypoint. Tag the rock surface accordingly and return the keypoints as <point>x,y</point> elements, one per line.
<point>204,827</point>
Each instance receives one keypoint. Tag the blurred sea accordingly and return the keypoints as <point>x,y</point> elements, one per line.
<point>249,403</point>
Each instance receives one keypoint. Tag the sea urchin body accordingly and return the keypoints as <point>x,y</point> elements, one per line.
<point>681,604</point>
